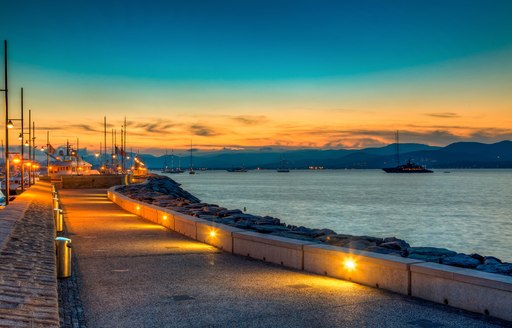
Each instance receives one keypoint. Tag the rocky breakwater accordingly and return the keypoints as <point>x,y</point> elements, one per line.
<point>165,192</point>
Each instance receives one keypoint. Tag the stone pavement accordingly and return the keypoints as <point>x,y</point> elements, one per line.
<point>28,284</point>
<point>134,273</point>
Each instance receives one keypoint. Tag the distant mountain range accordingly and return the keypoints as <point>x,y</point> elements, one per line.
<point>456,155</point>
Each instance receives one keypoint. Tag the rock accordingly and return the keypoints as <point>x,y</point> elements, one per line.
<point>360,244</point>
<point>395,245</point>
<point>501,268</point>
<point>269,228</point>
<point>429,254</point>
<point>381,250</point>
<point>323,232</point>
<point>478,257</point>
<point>375,240</point>
<point>229,212</point>
<point>491,260</point>
<point>461,261</point>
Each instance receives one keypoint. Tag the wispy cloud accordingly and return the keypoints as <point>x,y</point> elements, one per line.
<point>203,130</point>
<point>251,119</point>
<point>443,115</point>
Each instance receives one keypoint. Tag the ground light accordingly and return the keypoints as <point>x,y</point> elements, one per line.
<point>350,264</point>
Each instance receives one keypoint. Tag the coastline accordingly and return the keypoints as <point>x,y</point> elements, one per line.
<point>165,192</point>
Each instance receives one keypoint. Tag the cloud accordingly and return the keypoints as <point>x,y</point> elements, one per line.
<point>203,130</point>
<point>443,115</point>
<point>85,127</point>
<point>251,119</point>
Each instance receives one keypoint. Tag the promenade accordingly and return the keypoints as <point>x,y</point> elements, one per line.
<point>133,273</point>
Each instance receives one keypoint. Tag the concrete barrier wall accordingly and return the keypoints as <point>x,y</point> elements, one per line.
<point>215,234</point>
<point>462,288</point>
<point>279,250</point>
<point>92,181</point>
<point>371,269</point>
<point>467,289</point>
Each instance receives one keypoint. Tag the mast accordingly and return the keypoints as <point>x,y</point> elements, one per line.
<point>397,145</point>
<point>124,146</point>
<point>191,165</point>
<point>7,182</point>
<point>104,143</point>
<point>48,152</point>
<point>172,159</point>
<point>22,151</point>
<point>29,142</point>
<point>33,153</point>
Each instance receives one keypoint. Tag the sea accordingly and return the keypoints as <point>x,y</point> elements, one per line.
<point>468,211</point>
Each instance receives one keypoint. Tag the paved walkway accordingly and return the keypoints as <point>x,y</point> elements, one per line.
<point>134,273</point>
<point>28,283</point>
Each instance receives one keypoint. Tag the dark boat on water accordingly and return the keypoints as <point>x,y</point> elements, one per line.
<point>237,169</point>
<point>408,167</point>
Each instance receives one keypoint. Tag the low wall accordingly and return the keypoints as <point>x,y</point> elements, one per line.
<point>93,181</point>
<point>472,290</point>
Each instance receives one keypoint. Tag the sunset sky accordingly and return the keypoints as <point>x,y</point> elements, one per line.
<point>258,73</point>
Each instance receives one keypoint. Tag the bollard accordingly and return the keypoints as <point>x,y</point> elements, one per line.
<point>63,251</point>
<point>58,217</point>
<point>55,202</point>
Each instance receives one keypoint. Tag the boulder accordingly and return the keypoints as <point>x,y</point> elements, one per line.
<point>381,250</point>
<point>395,245</point>
<point>501,268</point>
<point>461,261</point>
<point>429,254</point>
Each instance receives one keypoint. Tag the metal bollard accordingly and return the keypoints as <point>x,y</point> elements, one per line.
<point>63,251</point>
<point>55,202</point>
<point>58,218</point>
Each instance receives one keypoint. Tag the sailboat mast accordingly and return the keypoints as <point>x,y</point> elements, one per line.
<point>397,145</point>
<point>191,156</point>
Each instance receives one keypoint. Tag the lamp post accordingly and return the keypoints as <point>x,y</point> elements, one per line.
<point>7,184</point>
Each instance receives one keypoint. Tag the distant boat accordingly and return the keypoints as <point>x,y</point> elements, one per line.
<point>191,171</point>
<point>172,169</point>
<point>283,166</point>
<point>237,169</point>
<point>408,167</point>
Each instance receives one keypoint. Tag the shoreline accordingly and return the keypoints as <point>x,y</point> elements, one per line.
<point>164,192</point>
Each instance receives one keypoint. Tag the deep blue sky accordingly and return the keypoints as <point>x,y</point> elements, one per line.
<point>250,39</point>
<point>258,73</point>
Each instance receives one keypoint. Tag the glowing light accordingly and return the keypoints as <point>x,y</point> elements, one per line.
<point>26,143</point>
<point>16,159</point>
<point>213,233</point>
<point>138,208</point>
<point>10,125</point>
<point>350,264</point>
<point>165,217</point>
<point>20,137</point>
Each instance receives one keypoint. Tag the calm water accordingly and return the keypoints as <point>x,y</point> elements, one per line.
<point>465,210</point>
